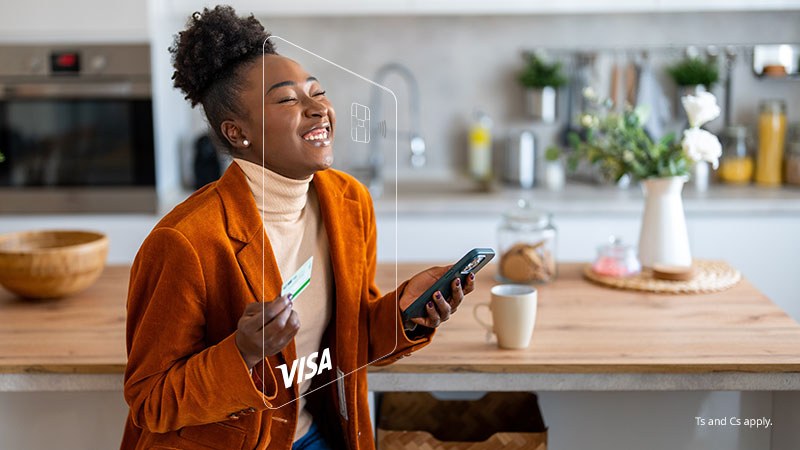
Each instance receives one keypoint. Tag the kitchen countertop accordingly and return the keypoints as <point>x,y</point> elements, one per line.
<point>586,338</point>
<point>460,196</point>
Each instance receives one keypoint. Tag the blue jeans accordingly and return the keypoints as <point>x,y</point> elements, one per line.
<point>312,440</point>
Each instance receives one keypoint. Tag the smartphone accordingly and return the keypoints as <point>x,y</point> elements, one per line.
<point>472,262</point>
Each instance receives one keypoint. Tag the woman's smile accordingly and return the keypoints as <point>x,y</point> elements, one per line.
<point>320,135</point>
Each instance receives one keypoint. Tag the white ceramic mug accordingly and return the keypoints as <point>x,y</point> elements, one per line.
<point>513,308</point>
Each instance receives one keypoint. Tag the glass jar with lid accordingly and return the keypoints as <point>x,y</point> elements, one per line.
<point>736,164</point>
<point>771,138</point>
<point>527,245</point>
<point>793,155</point>
<point>616,259</point>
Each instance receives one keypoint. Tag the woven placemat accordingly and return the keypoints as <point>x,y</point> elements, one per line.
<point>709,276</point>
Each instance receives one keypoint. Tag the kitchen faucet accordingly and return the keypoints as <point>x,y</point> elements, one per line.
<point>374,170</point>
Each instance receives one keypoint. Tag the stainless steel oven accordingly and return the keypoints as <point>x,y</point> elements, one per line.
<point>76,129</point>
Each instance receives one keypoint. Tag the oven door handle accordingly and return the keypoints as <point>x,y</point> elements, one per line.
<point>83,90</point>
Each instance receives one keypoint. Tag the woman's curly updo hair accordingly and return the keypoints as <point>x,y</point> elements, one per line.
<point>208,57</point>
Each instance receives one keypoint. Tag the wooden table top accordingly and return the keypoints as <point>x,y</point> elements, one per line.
<point>580,328</point>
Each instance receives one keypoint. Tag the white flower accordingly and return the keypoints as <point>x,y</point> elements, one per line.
<point>589,94</point>
<point>701,108</point>
<point>587,120</point>
<point>700,145</point>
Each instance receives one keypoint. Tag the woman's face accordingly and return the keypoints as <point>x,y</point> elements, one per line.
<point>299,121</point>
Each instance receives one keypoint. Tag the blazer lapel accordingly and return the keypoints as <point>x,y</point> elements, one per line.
<point>342,217</point>
<point>256,258</point>
<point>260,268</point>
<point>244,224</point>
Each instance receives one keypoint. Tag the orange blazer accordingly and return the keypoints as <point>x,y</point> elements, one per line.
<point>186,383</point>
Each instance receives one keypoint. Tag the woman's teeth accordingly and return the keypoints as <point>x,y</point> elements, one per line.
<point>316,135</point>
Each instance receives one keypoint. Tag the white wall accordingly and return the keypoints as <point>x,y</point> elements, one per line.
<point>468,62</point>
<point>62,420</point>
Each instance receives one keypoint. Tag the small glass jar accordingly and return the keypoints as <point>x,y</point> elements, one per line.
<point>527,244</point>
<point>616,259</point>
<point>736,164</point>
<point>793,155</point>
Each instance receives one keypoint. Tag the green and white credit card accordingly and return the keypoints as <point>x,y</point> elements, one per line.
<point>299,281</point>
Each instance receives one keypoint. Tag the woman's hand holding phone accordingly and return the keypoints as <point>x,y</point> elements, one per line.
<point>265,329</point>
<point>438,309</point>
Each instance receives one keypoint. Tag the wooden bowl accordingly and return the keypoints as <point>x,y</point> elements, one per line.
<point>51,264</point>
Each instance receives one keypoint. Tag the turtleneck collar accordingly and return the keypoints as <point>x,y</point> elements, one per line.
<point>278,198</point>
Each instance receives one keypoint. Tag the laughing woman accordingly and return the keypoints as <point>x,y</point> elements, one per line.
<point>206,357</point>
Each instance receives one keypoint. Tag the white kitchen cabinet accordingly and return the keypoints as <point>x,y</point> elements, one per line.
<point>74,22</point>
<point>474,7</point>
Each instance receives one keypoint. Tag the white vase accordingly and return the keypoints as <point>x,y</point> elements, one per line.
<point>663,238</point>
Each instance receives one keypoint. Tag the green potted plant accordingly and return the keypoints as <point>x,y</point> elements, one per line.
<point>692,75</point>
<point>692,72</point>
<point>541,81</point>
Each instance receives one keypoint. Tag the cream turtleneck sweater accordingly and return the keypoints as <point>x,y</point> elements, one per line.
<point>292,220</point>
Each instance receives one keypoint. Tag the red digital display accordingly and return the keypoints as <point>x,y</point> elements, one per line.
<point>65,62</point>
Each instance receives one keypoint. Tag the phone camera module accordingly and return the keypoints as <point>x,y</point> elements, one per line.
<point>473,264</point>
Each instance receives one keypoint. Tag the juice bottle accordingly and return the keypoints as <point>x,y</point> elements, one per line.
<point>771,139</point>
<point>480,147</point>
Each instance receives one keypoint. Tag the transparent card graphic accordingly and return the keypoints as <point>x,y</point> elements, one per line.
<point>365,138</point>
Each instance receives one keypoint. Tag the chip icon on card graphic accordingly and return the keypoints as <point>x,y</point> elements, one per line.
<point>359,123</point>
<point>298,282</point>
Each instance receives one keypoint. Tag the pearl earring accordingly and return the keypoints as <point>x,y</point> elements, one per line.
<point>246,143</point>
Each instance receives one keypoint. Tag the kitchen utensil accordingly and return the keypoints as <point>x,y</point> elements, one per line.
<point>570,125</point>
<point>520,159</point>
<point>631,82</point>
<point>614,85</point>
<point>579,79</point>
<point>650,96</point>
<point>51,264</point>
<point>513,308</point>
<point>730,62</point>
